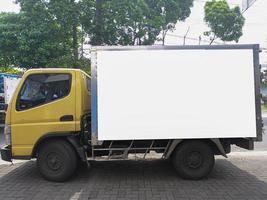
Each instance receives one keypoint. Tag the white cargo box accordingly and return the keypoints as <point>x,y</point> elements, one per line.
<point>175,92</point>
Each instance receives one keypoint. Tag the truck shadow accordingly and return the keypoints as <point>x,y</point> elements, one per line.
<point>132,179</point>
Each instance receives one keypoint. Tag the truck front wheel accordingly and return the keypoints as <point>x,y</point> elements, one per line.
<point>56,160</point>
<point>193,159</point>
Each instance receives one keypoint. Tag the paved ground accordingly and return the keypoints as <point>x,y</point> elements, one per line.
<point>238,177</point>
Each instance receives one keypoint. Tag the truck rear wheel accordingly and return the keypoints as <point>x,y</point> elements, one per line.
<point>193,159</point>
<point>57,160</point>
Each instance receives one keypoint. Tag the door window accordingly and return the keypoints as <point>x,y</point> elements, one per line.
<point>39,89</point>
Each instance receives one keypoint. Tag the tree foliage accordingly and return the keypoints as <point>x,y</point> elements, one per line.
<point>9,29</point>
<point>136,22</point>
<point>171,12</point>
<point>32,37</point>
<point>49,33</point>
<point>48,36</point>
<point>10,70</point>
<point>133,21</point>
<point>225,23</point>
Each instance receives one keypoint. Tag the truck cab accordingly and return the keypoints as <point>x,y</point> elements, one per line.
<point>48,103</point>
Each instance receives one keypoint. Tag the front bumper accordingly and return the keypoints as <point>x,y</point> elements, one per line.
<point>6,154</point>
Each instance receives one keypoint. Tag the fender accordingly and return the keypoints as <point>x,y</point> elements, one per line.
<point>174,144</point>
<point>71,137</point>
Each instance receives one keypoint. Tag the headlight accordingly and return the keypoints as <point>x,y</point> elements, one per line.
<point>7,133</point>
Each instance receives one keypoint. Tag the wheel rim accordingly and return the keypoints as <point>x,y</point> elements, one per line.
<point>194,160</point>
<point>53,161</point>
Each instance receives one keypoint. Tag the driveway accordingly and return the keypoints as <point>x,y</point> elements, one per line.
<point>238,177</point>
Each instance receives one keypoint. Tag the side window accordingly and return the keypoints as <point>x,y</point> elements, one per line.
<point>39,89</point>
<point>88,83</point>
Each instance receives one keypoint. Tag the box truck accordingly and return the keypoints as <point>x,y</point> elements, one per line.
<point>186,103</point>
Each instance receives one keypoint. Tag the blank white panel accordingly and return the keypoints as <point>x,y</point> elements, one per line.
<point>167,94</point>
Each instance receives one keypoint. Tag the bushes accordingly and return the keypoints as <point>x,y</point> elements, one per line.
<point>10,70</point>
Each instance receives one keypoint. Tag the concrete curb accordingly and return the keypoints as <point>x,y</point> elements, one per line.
<point>14,162</point>
<point>248,153</point>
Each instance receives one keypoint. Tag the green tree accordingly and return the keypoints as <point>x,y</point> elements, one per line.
<point>9,29</point>
<point>45,33</point>
<point>67,14</point>
<point>44,40</point>
<point>121,22</point>
<point>225,23</point>
<point>50,32</point>
<point>136,22</point>
<point>10,70</point>
<point>168,12</point>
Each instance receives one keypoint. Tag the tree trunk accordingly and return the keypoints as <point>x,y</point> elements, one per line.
<point>75,45</point>
<point>99,23</point>
<point>212,40</point>
<point>164,33</point>
<point>74,34</point>
<point>82,41</point>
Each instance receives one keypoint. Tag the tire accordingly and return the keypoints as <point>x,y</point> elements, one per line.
<point>193,160</point>
<point>57,160</point>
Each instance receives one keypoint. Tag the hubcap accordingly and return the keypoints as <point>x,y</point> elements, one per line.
<point>194,160</point>
<point>53,161</point>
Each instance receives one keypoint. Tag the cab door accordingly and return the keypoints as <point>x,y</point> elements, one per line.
<point>45,104</point>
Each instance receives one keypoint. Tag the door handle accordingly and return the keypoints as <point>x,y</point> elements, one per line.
<point>66,118</point>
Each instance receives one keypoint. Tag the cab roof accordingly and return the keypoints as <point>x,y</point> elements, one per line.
<point>53,69</point>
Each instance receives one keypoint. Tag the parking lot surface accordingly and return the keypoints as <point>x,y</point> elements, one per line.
<point>241,176</point>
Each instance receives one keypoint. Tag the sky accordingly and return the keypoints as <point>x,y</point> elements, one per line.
<point>254,30</point>
<point>8,6</point>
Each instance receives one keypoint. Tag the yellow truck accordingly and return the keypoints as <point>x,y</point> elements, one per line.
<point>138,100</point>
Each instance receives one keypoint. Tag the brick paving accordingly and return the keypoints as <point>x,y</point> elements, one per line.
<point>241,176</point>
